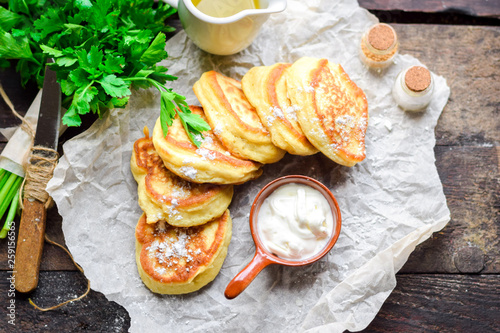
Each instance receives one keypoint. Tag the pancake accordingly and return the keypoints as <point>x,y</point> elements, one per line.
<point>234,120</point>
<point>265,88</point>
<point>165,196</point>
<point>210,163</point>
<point>332,110</point>
<point>173,260</point>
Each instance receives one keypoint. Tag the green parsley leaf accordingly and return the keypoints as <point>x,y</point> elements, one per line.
<point>50,51</point>
<point>167,110</point>
<point>8,19</point>
<point>114,86</point>
<point>101,48</point>
<point>66,61</point>
<point>156,51</point>
<point>14,48</point>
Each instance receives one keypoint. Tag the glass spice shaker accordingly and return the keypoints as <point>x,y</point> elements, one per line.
<point>413,88</point>
<point>379,46</point>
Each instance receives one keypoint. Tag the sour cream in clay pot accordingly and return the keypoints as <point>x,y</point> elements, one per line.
<point>295,222</point>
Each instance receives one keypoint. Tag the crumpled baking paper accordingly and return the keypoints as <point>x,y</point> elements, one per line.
<point>390,202</point>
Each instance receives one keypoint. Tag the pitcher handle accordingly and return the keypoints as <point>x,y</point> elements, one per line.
<point>243,278</point>
<point>173,3</point>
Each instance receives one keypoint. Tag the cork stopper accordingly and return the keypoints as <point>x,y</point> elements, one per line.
<point>381,36</point>
<point>418,78</point>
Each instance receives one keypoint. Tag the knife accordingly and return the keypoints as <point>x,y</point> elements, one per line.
<point>32,226</point>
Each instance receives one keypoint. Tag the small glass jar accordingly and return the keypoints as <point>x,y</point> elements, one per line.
<point>379,45</point>
<point>413,88</point>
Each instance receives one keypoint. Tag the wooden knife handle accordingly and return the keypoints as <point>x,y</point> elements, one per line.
<point>29,245</point>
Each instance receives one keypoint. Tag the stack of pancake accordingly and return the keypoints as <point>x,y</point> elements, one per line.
<point>183,235</point>
<point>184,190</point>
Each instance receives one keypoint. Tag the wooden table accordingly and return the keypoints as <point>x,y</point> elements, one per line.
<point>451,283</point>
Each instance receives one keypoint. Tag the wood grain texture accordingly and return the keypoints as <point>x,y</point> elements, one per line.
<point>467,158</point>
<point>441,303</point>
<point>29,248</point>
<point>488,8</point>
<point>469,59</point>
<point>471,183</point>
<point>20,97</point>
<point>419,303</point>
<point>53,258</point>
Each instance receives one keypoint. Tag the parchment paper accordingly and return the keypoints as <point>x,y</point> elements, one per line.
<point>390,202</point>
<point>15,154</point>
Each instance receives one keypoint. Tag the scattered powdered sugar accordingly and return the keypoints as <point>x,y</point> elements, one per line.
<point>159,216</point>
<point>179,192</point>
<point>163,198</point>
<point>345,121</point>
<point>172,212</point>
<point>291,112</point>
<point>277,112</point>
<point>179,247</point>
<point>270,120</point>
<point>198,137</point>
<point>218,129</point>
<point>188,171</point>
<point>206,154</point>
<point>204,139</point>
<point>160,270</point>
<point>208,140</point>
<point>363,123</point>
<point>188,160</point>
<point>171,250</point>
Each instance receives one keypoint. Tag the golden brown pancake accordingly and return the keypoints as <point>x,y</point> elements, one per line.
<point>210,163</point>
<point>234,120</point>
<point>332,110</point>
<point>165,196</point>
<point>265,88</point>
<point>173,260</point>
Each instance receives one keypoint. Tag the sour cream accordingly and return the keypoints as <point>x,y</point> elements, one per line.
<point>295,222</point>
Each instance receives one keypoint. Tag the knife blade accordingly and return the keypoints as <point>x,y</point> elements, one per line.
<point>33,219</point>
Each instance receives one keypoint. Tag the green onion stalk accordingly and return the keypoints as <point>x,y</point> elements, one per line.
<point>9,198</point>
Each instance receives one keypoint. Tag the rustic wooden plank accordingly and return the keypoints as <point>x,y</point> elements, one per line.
<point>485,8</point>
<point>469,60</point>
<point>53,258</point>
<point>441,303</point>
<point>419,303</point>
<point>20,97</point>
<point>93,313</point>
<point>469,243</point>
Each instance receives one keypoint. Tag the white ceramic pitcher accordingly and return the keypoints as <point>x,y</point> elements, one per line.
<point>225,35</point>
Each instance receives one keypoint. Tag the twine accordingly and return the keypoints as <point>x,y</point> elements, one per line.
<point>24,125</point>
<point>42,163</point>
<point>39,171</point>
<point>70,300</point>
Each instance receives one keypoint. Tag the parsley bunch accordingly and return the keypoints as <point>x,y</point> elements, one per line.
<point>101,49</point>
